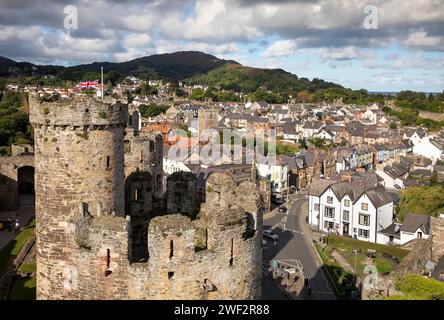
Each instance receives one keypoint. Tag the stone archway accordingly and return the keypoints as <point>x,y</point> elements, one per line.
<point>25,186</point>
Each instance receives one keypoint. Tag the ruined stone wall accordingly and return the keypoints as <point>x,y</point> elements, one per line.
<point>144,152</point>
<point>437,232</point>
<point>9,167</point>
<point>100,265</point>
<point>415,260</point>
<point>228,266</point>
<point>79,159</point>
<point>181,194</point>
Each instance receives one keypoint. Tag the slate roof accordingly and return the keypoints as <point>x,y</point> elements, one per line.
<point>319,185</point>
<point>313,125</point>
<point>289,127</point>
<point>361,183</point>
<point>343,153</point>
<point>396,170</point>
<point>413,222</point>
<point>310,157</point>
<point>437,144</point>
<point>421,133</point>
<point>392,230</point>
<point>379,196</point>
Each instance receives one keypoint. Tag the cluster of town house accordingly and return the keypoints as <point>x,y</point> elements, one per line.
<point>351,182</point>
<point>356,205</point>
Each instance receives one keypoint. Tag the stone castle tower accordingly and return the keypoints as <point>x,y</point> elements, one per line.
<point>98,234</point>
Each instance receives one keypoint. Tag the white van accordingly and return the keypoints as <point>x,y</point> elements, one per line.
<point>277,198</point>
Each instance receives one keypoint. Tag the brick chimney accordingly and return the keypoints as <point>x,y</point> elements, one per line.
<point>347,177</point>
<point>360,170</point>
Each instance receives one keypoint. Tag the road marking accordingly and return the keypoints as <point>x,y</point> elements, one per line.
<point>296,231</point>
<point>283,225</point>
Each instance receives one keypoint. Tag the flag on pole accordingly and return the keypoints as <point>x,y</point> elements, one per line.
<point>88,84</point>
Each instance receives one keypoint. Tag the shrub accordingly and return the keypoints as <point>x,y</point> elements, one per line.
<point>103,115</point>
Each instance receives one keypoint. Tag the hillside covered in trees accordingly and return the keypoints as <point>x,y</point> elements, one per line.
<point>427,200</point>
<point>14,122</point>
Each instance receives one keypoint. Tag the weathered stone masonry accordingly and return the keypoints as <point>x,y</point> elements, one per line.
<point>85,240</point>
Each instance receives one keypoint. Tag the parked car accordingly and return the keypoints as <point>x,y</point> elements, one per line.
<point>282,209</point>
<point>270,235</point>
<point>277,198</point>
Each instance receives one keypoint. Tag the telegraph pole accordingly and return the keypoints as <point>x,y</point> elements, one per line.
<point>102,80</point>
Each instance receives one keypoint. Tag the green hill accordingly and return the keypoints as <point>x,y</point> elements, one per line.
<point>171,66</point>
<point>240,78</point>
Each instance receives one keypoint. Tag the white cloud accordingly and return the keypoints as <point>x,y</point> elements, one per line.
<point>407,61</point>
<point>211,21</point>
<point>135,40</point>
<point>421,39</point>
<point>346,53</point>
<point>281,48</point>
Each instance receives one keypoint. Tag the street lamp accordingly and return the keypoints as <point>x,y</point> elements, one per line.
<point>355,251</point>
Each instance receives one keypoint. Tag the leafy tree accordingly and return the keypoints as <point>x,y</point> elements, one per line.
<point>303,143</point>
<point>320,143</point>
<point>146,89</point>
<point>198,94</point>
<point>14,123</point>
<point>305,97</point>
<point>427,200</point>
<point>152,110</point>
<point>114,77</point>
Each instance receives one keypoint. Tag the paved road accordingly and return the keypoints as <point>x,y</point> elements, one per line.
<point>294,244</point>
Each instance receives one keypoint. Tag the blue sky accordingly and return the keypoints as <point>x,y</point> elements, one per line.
<point>321,38</point>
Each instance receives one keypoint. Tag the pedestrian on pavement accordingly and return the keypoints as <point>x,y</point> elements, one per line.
<point>9,224</point>
<point>308,291</point>
<point>17,224</point>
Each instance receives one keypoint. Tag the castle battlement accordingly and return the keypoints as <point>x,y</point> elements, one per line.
<point>77,112</point>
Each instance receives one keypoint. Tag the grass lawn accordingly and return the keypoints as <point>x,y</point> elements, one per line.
<point>10,251</point>
<point>416,287</point>
<point>23,289</point>
<point>347,245</point>
<point>383,264</point>
<point>27,267</point>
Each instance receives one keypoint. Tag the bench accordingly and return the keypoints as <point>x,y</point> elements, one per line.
<point>387,255</point>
